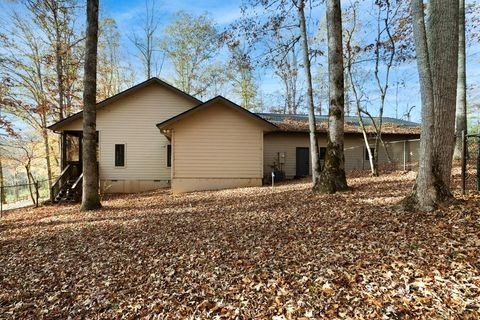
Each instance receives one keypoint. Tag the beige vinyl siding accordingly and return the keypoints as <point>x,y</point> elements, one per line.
<point>400,145</point>
<point>276,142</point>
<point>131,186</point>
<point>217,142</point>
<point>180,185</point>
<point>287,143</point>
<point>132,121</point>
<point>354,148</point>
<point>215,148</point>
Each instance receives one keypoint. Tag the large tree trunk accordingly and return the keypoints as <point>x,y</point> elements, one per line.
<point>311,108</point>
<point>90,196</point>
<point>461,112</point>
<point>437,73</point>
<point>333,174</point>
<point>443,51</point>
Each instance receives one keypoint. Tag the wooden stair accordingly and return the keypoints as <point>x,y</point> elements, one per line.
<point>67,192</point>
<point>68,187</point>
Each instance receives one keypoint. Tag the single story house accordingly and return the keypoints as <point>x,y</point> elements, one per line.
<point>153,135</point>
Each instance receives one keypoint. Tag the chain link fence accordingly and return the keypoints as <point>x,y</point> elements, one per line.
<point>471,164</point>
<point>22,195</point>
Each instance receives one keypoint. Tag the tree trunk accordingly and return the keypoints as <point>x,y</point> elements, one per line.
<point>353,87</point>
<point>2,183</point>
<point>359,113</point>
<point>347,96</point>
<point>90,195</point>
<point>15,183</point>
<point>461,112</point>
<point>376,173</point>
<point>47,157</point>
<point>311,108</point>
<point>433,61</point>
<point>383,88</point>
<point>46,144</point>
<point>333,174</point>
<point>59,62</point>
<point>443,51</point>
<point>367,147</point>
<point>29,181</point>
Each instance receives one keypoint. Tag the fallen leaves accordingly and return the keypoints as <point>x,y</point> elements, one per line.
<point>281,253</point>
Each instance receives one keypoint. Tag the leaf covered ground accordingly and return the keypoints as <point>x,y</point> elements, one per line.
<point>247,253</point>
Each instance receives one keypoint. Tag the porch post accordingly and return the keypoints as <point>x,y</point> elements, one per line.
<point>80,150</point>
<point>63,150</point>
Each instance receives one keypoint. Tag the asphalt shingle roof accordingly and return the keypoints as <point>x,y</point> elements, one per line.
<point>299,123</point>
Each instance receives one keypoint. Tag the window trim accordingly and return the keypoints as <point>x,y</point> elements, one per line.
<point>124,155</point>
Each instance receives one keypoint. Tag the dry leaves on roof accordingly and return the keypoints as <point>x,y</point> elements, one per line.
<point>247,253</point>
<point>295,125</point>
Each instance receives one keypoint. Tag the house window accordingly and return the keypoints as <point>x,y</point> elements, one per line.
<point>323,152</point>
<point>119,155</point>
<point>169,155</point>
<point>372,150</point>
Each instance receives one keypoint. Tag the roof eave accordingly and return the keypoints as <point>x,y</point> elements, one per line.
<point>120,95</point>
<point>165,124</point>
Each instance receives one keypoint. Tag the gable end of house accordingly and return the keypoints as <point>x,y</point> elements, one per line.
<point>60,124</point>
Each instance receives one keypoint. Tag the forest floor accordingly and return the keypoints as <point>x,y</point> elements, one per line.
<point>21,204</point>
<point>247,253</point>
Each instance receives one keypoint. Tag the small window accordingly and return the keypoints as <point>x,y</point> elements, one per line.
<point>323,153</point>
<point>169,155</point>
<point>119,155</point>
<point>372,150</point>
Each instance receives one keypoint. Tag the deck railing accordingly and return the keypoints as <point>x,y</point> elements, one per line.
<point>72,170</point>
<point>77,188</point>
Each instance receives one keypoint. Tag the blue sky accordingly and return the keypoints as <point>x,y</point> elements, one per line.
<point>128,15</point>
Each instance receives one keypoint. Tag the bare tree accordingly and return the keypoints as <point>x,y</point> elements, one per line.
<point>26,68</point>
<point>277,30</point>
<point>191,43</point>
<point>56,19</point>
<point>389,46</point>
<point>244,84</point>
<point>286,67</point>
<point>351,56</point>
<point>461,111</point>
<point>90,195</point>
<point>320,88</point>
<point>311,108</point>
<point>113,74</point>
<point>147,42</point>
<point>6,126</point>
<point>437,59</point>
<point>271,28</point>
<point>24,151</point>
<point>333,177</point>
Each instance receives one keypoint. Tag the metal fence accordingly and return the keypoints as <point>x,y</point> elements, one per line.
<point>20,195</point>
<point>470,162</point>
